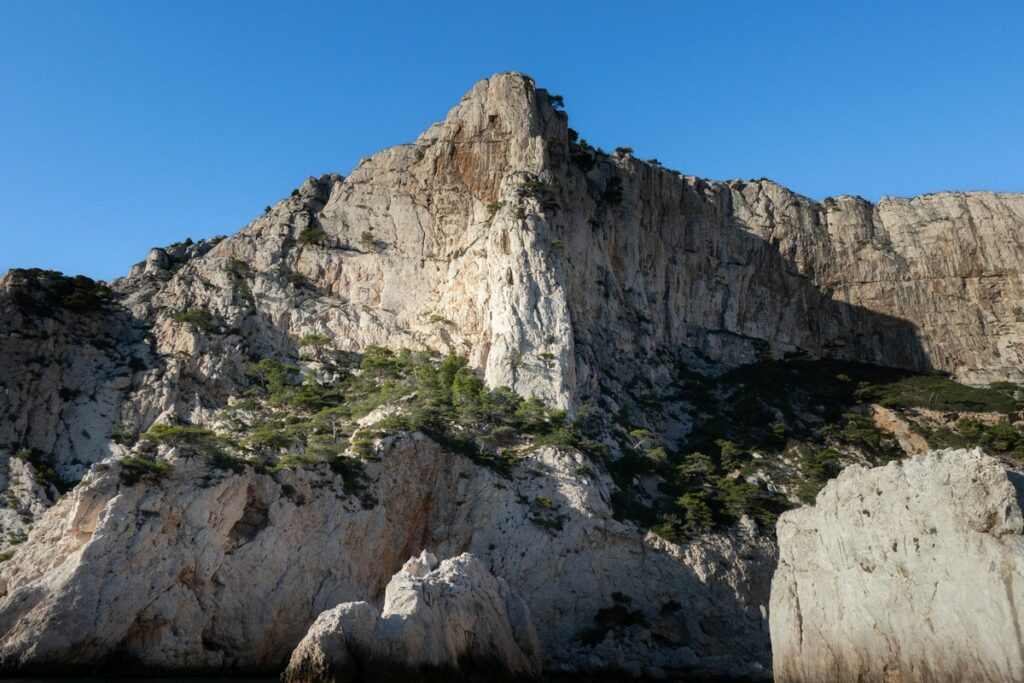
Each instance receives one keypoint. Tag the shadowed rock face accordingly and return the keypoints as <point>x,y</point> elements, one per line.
<point>911,572</point>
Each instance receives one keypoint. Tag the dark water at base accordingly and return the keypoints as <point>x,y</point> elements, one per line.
<point>225,679</point>
<point>180,679</point>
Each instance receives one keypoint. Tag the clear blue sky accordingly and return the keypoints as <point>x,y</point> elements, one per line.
<point>127,125</point>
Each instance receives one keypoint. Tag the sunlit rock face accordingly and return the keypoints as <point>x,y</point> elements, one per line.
<point>561,272</point>
<point>911,572</point>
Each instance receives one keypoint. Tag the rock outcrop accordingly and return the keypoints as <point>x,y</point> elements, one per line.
<point>209,570</point>
<point>912,572</point>
<point>455,618</point>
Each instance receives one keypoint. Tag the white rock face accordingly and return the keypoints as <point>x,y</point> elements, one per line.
<point>912,572</point>
<point>218,571</point>
<point>456,618</point>
<point>567,275</point>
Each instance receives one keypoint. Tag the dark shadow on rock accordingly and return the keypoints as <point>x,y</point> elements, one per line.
<point>74,356</point>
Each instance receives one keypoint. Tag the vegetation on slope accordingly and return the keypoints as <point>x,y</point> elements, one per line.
<point>44,292</point>
<point>764,437</point>
<point>286,420</point>
<point>769,435</point>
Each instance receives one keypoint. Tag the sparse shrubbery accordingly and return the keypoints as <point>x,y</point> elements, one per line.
<point>312,235</point>
<point>437,319</point>
<point>437,395</point>
<point>297,280</point>
<point>1001,438</point>
<point>135,469</point>
<point>315,341</point>
<point>44,467</point>
<point>239,272</point>
<point>43,292</point>
<point>939,392</point>
<point>198,319</point>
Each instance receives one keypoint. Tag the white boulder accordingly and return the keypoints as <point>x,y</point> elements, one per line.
<point>912,572</point>
<point>455,617</point>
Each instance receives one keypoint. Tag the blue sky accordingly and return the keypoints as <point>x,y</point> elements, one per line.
<point>127,125</point>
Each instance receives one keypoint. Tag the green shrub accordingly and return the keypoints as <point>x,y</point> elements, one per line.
<point>135,469</point>
<point>437,319</point>
<point>312,235</point>
<point>298,281</point>
<point>697,511</point>
<point>198,318</point>
<point>270,437</point>
<point>178,435</point>
<point>195,441</point>
<point>381,363</point>
<point>368,241</point>
<point>316,341</point>
<point>352,471</point>
<point>272,375</point>
<point>44,467</point>
<point>294,462</point>
<point>582,155</point>
<point>939,392</point>
<point>44,291</point>
<point>238,267</point>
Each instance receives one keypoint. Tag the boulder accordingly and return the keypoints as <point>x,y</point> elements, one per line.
<point>911,572</point>
<point>453,618</point>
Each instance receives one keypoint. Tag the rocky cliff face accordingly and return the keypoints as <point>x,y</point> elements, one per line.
<point>909,572</point>
<point>209,570</point>
<point>560,271</point>
<point>597,282</point>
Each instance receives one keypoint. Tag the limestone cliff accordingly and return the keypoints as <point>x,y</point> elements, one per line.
<point>209,570</point>
<point>560,271</point>
<point>909,572</point>
<point>597,282</point>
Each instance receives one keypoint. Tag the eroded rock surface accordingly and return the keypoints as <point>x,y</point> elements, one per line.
<point>438,620</point>
<point>912,572</point>
<point>216,571</point>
